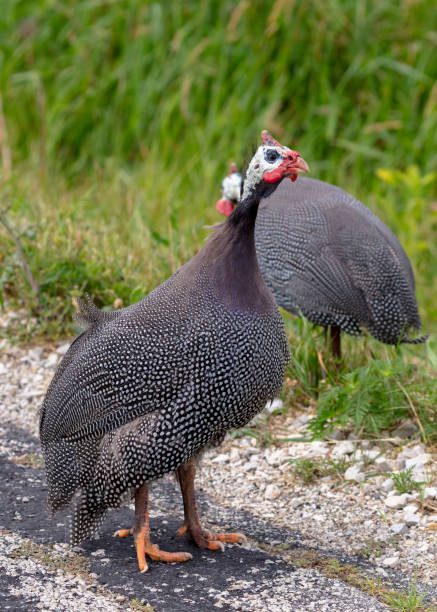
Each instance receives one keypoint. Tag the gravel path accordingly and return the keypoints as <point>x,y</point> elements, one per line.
<point>302,536</point>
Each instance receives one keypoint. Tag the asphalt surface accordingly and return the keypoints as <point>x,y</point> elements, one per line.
<point>241,578</point>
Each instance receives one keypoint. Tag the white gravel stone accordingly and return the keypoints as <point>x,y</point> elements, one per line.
<point>35,353</point>
<point>418,474</point>
<point>430,493</point>
<point>234,455</point>
<point>3,369</point>
<point>61,350</point>
<point>221,459</point>
<point>418,461</point>
<point>300,421</point>
<point>353,473</point>
<point>387,485</point>
<point>272,492</point>
<point>315,449</point>
<point>373,454</point>
<point>276,457</point>
<point>51,361</point>
<point>399,464</point>
<point>383,467</point>
<point>398,528</point>
<point>343,448</point>
<point>411,519</point>
<point>411,451</point>
<point>390,561</point>
<point>396,501</point>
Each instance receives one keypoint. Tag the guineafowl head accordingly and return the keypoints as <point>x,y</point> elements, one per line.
<point>231,191</point>
<point>270,164</point>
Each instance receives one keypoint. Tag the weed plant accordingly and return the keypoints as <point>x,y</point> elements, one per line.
<point>404,482</point>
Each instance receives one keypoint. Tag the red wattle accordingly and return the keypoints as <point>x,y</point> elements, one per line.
<point>224,207</point>
<point>274,176</point>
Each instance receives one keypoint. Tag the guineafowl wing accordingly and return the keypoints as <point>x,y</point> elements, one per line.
<point>301,266</point>
<point>116,374</point>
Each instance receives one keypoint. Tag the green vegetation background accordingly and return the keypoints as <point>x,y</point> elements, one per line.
<point>122,115</point>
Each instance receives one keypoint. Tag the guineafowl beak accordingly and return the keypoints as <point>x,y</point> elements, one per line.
<point>301,165</point>
<point>293,165</point>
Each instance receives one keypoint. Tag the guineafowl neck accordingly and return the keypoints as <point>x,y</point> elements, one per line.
<point>244,214</point>
<point>232,262</point>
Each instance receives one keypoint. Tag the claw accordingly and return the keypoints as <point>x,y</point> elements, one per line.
<point>181,531</point>
<point>211,541</point>
<point>215,545</point>
<point>231,538</point>
<point>122,533</point>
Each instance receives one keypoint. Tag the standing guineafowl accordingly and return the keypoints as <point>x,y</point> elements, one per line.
<point>143,390</point>
<point>323,254</point>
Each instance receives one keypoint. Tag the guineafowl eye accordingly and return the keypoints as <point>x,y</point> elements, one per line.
<point>271,155</point>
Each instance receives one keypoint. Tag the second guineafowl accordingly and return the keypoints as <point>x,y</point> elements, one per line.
<point>143,390</point>
<point>326,256</point>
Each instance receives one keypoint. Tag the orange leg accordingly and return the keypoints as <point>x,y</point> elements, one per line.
<point>191,524</point>
<point>141,533</point>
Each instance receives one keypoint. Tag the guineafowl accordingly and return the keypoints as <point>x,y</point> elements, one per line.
<point>325,255</point>
<point>142,391</point>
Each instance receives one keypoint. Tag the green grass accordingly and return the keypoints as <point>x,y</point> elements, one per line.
<point>138,80</point>
<point>308,470</point>
<point>405,483</point>
<point>407,601</point>
<point>375,397</point>
<point>121,119</point>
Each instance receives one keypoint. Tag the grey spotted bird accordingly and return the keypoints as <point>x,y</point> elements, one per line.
<point>142,391</point>
<point>325,255</point>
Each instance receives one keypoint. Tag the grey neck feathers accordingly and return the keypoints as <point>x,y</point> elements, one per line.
<point>231,259</point>
<point>245,213</point>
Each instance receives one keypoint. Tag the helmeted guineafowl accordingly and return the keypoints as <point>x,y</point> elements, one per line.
<point>143,390</point>
<point>325,255</point>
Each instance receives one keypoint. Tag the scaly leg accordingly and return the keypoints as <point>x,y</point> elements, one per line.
<point>192,525</point>
<point>335,335</point>
<point>141,533</point>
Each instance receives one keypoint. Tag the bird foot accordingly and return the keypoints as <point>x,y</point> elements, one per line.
<point>211,541</point>
<point>144,547</point>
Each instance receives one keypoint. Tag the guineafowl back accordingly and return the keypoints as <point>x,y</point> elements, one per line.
<point>327,256</point>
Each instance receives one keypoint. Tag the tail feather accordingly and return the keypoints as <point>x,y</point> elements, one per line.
<point>69,465</point>
<point>62,472</point>
<point>87,518</point>
<point>88,315</point>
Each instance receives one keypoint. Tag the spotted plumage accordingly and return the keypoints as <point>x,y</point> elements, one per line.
<point>325,255</point>
<point>143,390</point>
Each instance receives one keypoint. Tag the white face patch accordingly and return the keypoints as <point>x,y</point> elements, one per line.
<point>231,187</point>
<point>259,164</point>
